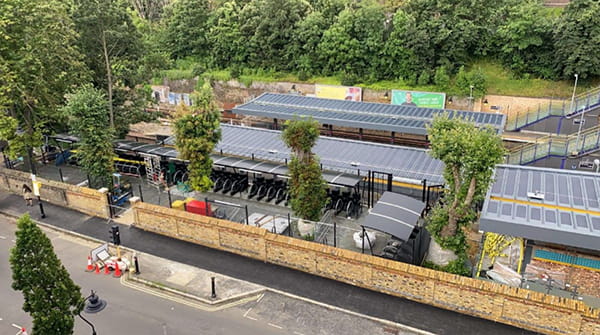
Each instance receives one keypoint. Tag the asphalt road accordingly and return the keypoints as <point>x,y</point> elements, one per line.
<point>327,291</point>
<point>128,311</point>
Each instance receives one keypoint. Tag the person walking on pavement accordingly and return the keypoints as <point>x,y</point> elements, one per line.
<point>27,195</point>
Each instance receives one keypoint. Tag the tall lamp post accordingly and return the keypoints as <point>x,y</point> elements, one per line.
<point>573,96</point>
<point>471,97</point>
<point>93,304</point>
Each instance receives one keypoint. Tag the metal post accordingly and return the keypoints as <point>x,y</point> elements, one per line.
<point>246,210</point>
<point>41,207</point>
<point>389,182</point>
<point>169,195</point>
<point>109,202</point>
<point>424,190</point>
<point>137,265</point>
<point>573,96</point>
<point>89,181</point>
<point>141,195</point>
<point>62,180</point>
<point>289,225</point>
<point>334,233</point>
<point>362,249</point>
<point>368,240</point>
<point>206,207</point>
<point>213,294</point>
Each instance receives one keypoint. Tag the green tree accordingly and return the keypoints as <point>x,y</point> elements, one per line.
<point>187,28</point>
<point>469,155</point>
<point>227,44</point>
<point>197,132</point>
<point>355,41</point>
<point>526,41</point>
<point>112,46</point>
<point>39,63</point>
<point>307,188</point>
<point>268,26</point>
<point>577,36</point>
<point>87,111</point>
<point>51,297</point>
<point>150,10</point>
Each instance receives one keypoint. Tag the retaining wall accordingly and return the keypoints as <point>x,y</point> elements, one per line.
<point>518,307</point>
<point>83,199</point>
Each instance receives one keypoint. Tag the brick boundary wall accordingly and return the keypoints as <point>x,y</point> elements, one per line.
<point>82,199</point>
<point>500,303</point>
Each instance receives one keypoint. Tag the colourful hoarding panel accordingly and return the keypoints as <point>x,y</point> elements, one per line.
<point>419,99</point>
<point>338,92</point>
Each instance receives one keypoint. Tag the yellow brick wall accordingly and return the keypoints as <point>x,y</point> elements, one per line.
<point>538,317</point>
<point>519,307</point>
<point>83,199</point>
<point>293,254</point>
<point>590,326</point>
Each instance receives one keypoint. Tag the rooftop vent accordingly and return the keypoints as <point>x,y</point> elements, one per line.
<point>535,195</point>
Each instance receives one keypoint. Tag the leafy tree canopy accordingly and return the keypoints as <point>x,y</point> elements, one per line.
<point>197,132</point>
<point>51,297</point>
<point>577,37</point>
<point>186,28</point>
<point>307,188</point>
<point>87,111</point>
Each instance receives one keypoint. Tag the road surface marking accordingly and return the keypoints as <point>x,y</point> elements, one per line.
<point>298,333</point>
<point>248,311</point>
<point>2,237</point>
<point>274,325</point>
<point>251,318</point>
<point>261,296</point>
<point>13,241</point>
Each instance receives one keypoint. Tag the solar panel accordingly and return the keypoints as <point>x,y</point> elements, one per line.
<point>566,210</point>
<point>366,115</point>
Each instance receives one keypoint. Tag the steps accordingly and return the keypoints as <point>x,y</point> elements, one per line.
<point>584,102</point>
<point>556,146</point>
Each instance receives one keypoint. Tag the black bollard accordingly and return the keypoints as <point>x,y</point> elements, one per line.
<point>137,266</point>
<point>62,180</point>
<point>212,284</point>
<point>141,195</point>
<point>41,207</point>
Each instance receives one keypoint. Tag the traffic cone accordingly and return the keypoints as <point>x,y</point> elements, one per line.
<point>106,270</point>
<point>117,273</point>
<point>90,267</point>
<point>97,269</point>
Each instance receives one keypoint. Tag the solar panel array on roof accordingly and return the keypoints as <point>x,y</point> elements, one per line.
<point>145,148</point>
<point>550,205</point>
<point>366,115</point>
<point>335,154</point>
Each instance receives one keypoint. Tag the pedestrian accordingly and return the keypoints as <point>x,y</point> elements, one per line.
<point>27,195</point>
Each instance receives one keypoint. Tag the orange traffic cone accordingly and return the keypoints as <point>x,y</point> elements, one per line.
<point>90,267</point>
<point>106,269</point>
<point>117,273</point>
<point>97,269</point>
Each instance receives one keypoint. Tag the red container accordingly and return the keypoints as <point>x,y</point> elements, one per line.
<point>198,207</point>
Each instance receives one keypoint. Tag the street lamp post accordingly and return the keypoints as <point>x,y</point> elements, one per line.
<point>471,97</point>
<point>573,96</point>
<point>93,304</point>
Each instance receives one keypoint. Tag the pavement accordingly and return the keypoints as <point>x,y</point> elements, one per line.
<point>264,292</point>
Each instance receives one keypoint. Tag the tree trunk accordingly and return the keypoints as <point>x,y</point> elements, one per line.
<point>109,81</point>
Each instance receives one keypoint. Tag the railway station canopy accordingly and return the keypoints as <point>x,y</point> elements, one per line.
<point>395,214</point>
<point>336,154</point>
<point>354,114</point>
<point>549,205</point>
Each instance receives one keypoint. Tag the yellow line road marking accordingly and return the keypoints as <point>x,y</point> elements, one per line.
<point>538,204</point>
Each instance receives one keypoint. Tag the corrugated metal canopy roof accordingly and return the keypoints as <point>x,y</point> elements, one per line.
<point>336,178</point>
<point>366,115</point>
<point>395,214</point>
<point>550,205</point>
<point>335,154</point>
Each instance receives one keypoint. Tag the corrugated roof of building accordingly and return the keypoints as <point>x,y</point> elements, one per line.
<point>366,115</point>
<point>550,205</point>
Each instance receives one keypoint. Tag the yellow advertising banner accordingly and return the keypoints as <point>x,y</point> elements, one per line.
<point>338,92</point>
